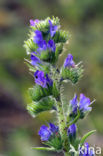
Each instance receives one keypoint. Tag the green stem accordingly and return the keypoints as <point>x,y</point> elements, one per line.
<point>62,126</point>
<point>61,116</point>
<point>75,120</point>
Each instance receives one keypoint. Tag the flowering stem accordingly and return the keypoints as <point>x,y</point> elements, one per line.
<point>61,115</point>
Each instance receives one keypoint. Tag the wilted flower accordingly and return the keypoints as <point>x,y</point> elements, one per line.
<point>42,80</point>
<point>53,28</point>
<point>69,61</point>
<point>46,132</point>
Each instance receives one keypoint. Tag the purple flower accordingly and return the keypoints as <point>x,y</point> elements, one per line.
<point>84,103</point>
<point>69,61</point>
<point>41,80</point>
<point>51,45</point>
<point>53,28</point>
<point>34,22</point>
<point>45,133</point>
<point>53,128</point>
<point>35,60</point>
<point>38,37</point>
<point>42,46</point>
<point>73,104</point>
<point>72,131</point>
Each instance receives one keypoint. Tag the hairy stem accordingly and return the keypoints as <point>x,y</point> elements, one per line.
<point>61,116</point>
<point>62,126</point>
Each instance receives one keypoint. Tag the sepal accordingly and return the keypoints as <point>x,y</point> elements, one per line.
<point>55,142</point>
<point>47,56</point>
<point>45,104</point>
<point>39,92</point>
<point>30,46</point>
<point>61,36</point>
<point>72,74</point>
<point>84,114</point>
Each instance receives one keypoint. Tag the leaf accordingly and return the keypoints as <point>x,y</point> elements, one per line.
<point>86,136</point>
<point>29,45</point>
<point>44,148</point>
<point>45,104</point>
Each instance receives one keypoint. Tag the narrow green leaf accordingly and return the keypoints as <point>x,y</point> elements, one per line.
<point>44,148</point>
<point>86,136</point>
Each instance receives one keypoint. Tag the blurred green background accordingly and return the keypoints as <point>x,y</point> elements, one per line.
<point>84,20</point>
